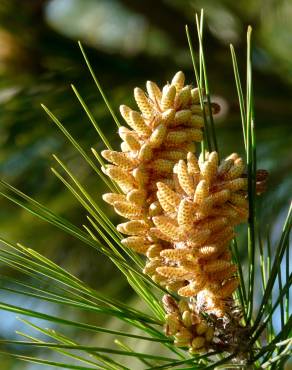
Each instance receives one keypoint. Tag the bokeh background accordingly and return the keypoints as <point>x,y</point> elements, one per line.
<point>128,42</point>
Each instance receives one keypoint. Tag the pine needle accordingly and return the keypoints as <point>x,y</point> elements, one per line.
<point>98,85</point>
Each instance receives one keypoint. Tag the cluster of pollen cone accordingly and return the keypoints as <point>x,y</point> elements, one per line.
<point>180,210</point>
<point>189,329</point>
<point>198,219</point>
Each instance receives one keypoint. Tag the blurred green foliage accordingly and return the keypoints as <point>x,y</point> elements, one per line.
<point>128,42</point>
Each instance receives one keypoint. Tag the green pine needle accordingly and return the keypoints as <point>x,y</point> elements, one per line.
<point>98,85</point>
